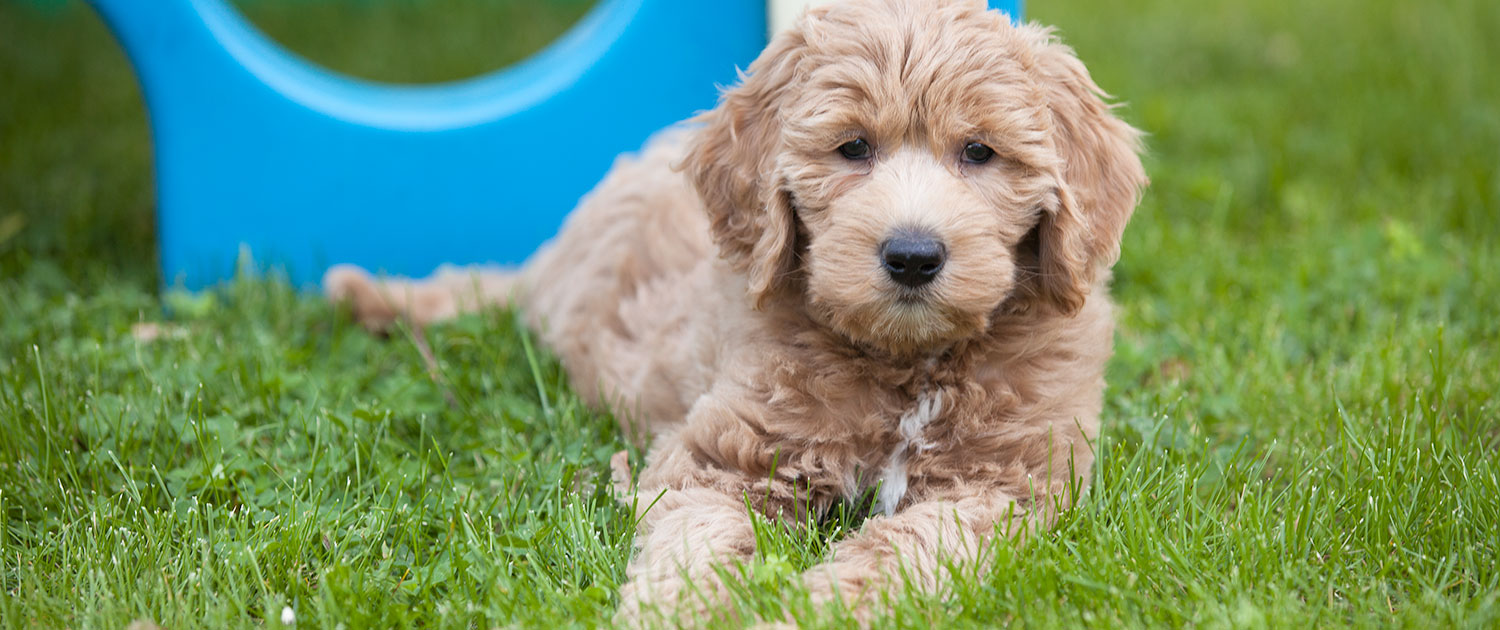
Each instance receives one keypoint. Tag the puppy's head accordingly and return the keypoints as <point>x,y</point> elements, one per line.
<point>908,166</point>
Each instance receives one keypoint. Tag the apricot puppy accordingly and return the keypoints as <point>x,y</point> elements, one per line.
<point>878,268</point>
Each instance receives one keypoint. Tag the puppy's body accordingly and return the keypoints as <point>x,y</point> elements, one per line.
<point>664,323</point>
<point>624,294</point>
<point>733,294</point>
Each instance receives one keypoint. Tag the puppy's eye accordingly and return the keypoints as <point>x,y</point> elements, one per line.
<point>856,149</point>
<point>976,153</point>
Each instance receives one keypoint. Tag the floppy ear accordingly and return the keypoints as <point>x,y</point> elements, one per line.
<point>732,161</point>
<point>1100,177</point>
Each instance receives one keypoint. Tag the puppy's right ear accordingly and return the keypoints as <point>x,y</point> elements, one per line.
<point>732,162</point>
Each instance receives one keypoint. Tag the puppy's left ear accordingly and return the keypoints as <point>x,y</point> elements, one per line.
<point>1101,176</point>
<point>732,162</point>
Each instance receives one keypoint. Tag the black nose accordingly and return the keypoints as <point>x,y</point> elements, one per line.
<point>913,260</point>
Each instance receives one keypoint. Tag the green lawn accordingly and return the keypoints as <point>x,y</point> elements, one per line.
<point>1301,427</point>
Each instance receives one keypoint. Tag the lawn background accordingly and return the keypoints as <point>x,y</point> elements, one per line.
<point>1300,430</point>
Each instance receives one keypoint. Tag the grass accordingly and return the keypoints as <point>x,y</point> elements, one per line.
<point>1301,427</point>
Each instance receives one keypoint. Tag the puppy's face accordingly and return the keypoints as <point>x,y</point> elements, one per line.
<point>910,166</point>
<point>910,174</point>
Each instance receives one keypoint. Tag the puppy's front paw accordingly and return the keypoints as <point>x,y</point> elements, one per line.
<point>348,284</point>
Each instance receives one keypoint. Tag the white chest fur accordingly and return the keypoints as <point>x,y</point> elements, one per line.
<point>893,476</point>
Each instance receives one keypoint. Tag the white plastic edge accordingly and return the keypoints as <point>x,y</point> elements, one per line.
<point>782,13</point>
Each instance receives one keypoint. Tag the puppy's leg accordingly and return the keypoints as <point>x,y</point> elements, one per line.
<point>915,546</point>
<point>378,303</point>
<point>688,537</point>
<point>951,527</point>
<point>693,527</point>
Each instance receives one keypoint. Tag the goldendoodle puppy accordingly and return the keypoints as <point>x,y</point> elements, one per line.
<point>877,269</point>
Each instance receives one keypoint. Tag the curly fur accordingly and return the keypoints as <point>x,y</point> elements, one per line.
<point>724,292</point>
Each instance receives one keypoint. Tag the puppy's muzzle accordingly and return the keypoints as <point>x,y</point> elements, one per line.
<point>912,258</point>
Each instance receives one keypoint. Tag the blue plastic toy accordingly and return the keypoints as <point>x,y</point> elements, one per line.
<point>257,147</point>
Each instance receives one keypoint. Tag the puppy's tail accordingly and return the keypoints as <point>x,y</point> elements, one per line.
<point>378,303</point>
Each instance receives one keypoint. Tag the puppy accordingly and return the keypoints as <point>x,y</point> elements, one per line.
<point>877,269</point>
